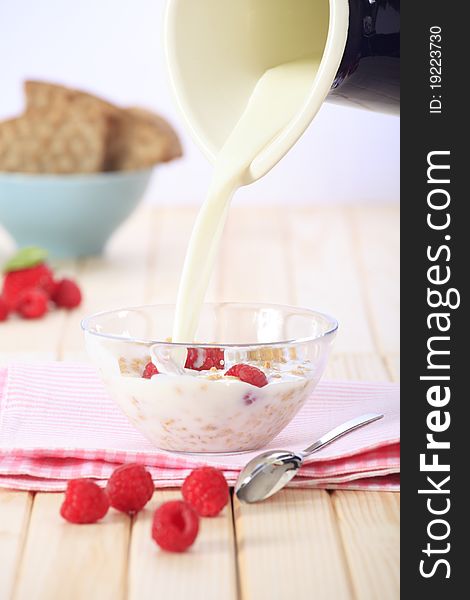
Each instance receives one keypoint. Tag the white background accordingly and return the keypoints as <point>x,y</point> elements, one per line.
<point>114,48</point>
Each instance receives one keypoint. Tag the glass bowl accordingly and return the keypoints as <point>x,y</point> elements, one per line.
<point>191,405</point>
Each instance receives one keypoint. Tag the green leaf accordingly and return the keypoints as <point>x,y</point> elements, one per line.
<point>29,256</point>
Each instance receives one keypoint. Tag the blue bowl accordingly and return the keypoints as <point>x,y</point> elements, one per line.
<point>68,215</point>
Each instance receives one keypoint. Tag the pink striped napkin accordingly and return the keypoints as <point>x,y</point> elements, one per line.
<point>57,422</point>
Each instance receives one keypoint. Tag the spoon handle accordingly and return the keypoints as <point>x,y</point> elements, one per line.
<point>339,431</point>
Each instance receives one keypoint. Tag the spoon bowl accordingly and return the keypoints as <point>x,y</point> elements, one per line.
<point>266,474</point>
<point>270,471</point>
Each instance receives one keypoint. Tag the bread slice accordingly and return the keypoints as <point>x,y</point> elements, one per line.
<point>68,109</point>
<point>54,99</point>
<point>65,130</point>
<point>142,139</point>
<point>73,143</point>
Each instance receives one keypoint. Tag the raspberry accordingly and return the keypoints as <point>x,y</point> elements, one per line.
<point>175,526</point>
<point>203,359</point>
<point>67,294</point>
<point>129,488</point>
<point>4,310</point>
<point>85,502</point>
<point>32,304</point>
<point>16,283</point>
<point>206,490</point>
<point>149,371</point>
<point>248,374</point>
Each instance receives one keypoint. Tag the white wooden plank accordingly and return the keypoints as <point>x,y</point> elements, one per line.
<point>369,367</point>
<point>15,508</point>
<point>63,560</point>
<point>325,274</point>
<point>369,526</point>
<point>254,264</point>
<point>376,234</point>
<point>393,363</point>
<point>288,547</point>
<point>206,571</point>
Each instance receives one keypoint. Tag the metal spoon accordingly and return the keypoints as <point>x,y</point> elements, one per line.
<point>268,472</point>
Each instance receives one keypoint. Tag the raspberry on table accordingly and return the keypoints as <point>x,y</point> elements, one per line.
<point>149,371</point>
<point>66,294</point>
<point>32,304</point>
<point>4,310</point>
<point>248,374</point>
<point>203,359</point>
<point>175,526</point>
<point>85,502</point>
<point>206,490</point>
<point>15,283</point>
<point>129,488</point>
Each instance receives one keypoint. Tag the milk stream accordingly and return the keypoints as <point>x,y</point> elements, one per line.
<point>276,98</point>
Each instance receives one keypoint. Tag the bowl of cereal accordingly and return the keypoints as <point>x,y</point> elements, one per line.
<point>249,373</point>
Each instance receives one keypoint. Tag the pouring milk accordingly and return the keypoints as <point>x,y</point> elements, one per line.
<point>275,100</point>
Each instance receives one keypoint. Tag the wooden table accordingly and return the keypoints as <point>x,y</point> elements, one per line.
<point>301,544</point>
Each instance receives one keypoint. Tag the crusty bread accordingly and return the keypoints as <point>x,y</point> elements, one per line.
<point>142,139</point>
<point>34,144</point>
<point>64,130</point>
<point>55,99</point>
